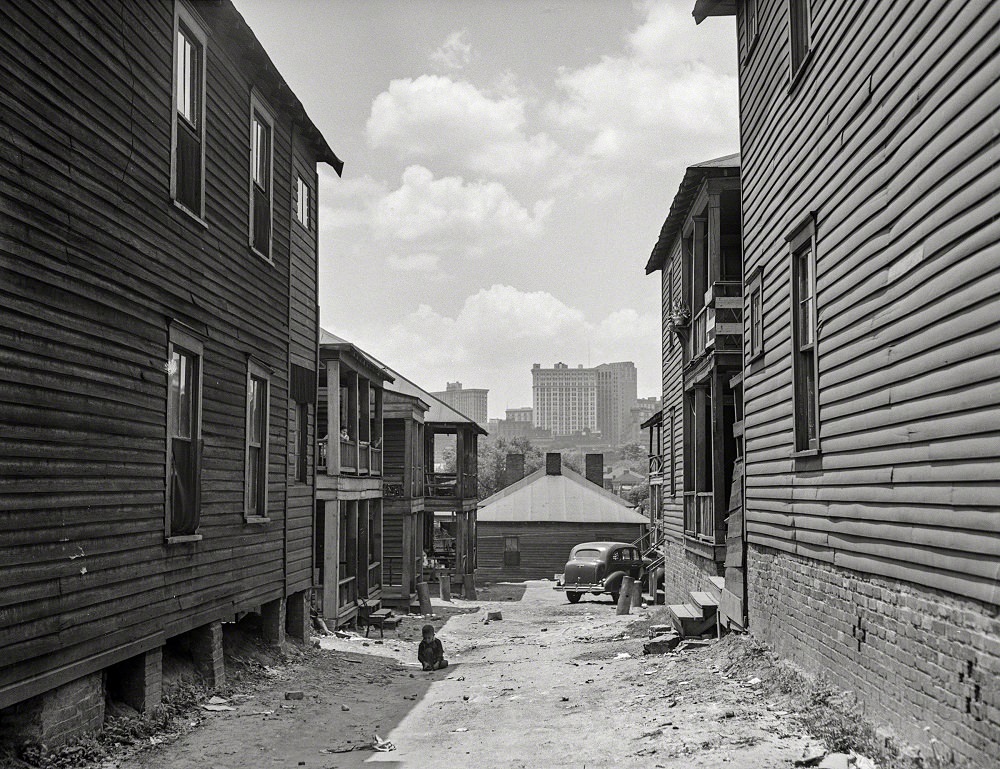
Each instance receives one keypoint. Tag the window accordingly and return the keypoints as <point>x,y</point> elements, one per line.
<point>804,352</point>
<point>511,552</point>
<point>302,203</point>
<point>750,24</point>
<point>258,388</point>
<point>184,356</point>
<point>755,310</point>
<point>299,443</point>
<point>798,33</point>
<point>261,177</point>
<point>187,179</point>
<point>670,450</point>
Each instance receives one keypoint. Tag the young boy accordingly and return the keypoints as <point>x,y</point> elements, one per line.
<point>431,653</point>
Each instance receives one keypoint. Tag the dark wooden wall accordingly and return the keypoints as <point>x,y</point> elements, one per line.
<point>673,398</point>
<point>544,546</point>
<point>96,260</point>
<point>890,137</point>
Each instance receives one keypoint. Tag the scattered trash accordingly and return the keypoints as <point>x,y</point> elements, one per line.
<point>589,681</point>
<point>460,678</point>
<point>655,630</point>
<point>157,740</point>
<point>382,746</point>
<point>258,713</point>
<point>650,673</point>
<point>344,708</point>
<point>653,733</point>
<point>754,681</point>
<point>460,729</point>
<point>295,695</point>
<point>494,615</point>
<point>465,697</point>
<point>218,701</point>
<point>217,708</point>
<point>691,645</point>
<point>341,634</point>
<point>544,629</point>
<point>351,659</point>
<point>811,756</point>
<point>836,761</point>
<point>623,656</point>
<point>729,714</point>
<point>661,644</point>
<point>564,699</point>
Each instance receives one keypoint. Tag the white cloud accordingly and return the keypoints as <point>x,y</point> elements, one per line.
<point>501,330</point>
<point>658,106</point>
<point>455,53</point>
<point>425,218</point>
<point>437,117</point>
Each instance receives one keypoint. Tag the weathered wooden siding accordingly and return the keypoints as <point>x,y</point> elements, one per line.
<point>544,546</point>
<point>673,398</point>
<point>96,260</point>
<point>891,138</point>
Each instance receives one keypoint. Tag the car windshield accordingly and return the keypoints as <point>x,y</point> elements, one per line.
<point>587,554</point>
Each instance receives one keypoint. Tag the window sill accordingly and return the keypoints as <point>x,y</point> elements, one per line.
<point>799,75</point>
<point>188,212</point>
<point>256,519</point>
<point>806,453</point>
<point>183,538</point>
<point>708,550</point>
<point>260,255</point>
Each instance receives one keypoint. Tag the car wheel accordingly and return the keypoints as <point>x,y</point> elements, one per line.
<point>573,597</point>
<point>614,597</point>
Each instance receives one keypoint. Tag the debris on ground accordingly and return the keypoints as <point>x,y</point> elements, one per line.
<point>661,644</point>
<point>295,695</point>
<point>494,615</point>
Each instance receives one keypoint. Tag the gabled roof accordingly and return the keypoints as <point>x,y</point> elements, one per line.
<point>705,8</point>
<point>727,165</point>
<point>333,342</point>
<point>224,17</point>
<point>564,498</point>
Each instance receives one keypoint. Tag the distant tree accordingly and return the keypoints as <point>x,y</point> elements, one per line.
<point>639,496</point>
<point>633,452</point>
<point>493,461</point>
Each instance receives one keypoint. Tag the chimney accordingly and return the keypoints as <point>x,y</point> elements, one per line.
<point>514,470</point>
<point>595,469</point>
<point>553,463</point>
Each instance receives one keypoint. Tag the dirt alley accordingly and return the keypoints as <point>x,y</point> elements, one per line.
<point>548,686</point>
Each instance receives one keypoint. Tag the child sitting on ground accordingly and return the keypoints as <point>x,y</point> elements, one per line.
<point>431,652</point>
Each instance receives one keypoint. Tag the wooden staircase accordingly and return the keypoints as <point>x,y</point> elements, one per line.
<point>698,615</point>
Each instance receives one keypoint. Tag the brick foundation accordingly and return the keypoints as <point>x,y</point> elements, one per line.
<point>923,662</point>
<point>138,681</point>
<point>272,624</point>
<point>685,571</point>
<point>205,643</point>
<point>297,621</point>
<point>57,716</point>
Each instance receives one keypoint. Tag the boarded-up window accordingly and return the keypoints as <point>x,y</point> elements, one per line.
<point>184,364</point>
<point>256,442</point>
<point>511,552</point>
<point>805,393</point>
<point>798,32</point>
<point>261,187</point>
<point>187,182</point>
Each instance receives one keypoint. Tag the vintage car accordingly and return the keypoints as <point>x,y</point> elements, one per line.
<point>599,567</point>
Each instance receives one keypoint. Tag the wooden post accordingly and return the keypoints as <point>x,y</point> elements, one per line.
<point>636,594</point>
<point>424,594</point>
<point>445,583</point>
<point>469,586</point>
<point>625,595</point>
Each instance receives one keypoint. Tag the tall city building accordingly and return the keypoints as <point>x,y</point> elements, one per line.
<point>471,402</point>
<point>616,397</point>
<point>572,400</point>
<point>564,399</point>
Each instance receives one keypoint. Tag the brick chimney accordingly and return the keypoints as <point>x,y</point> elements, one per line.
<point>595,469</point>
<point>553,463</point>
<point>513,470</point>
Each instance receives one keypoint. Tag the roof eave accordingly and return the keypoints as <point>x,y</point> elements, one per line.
<point>705,8</point>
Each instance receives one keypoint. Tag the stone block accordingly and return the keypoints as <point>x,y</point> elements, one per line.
<point>206,651</point>
<point>662,644</point>
<point>272,622</point>
<point>297,622</point>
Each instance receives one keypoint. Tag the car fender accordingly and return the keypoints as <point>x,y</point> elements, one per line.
<point>613,581</point>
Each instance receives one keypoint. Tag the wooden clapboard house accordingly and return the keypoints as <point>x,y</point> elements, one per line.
<point>431,492</point>
<point>872,253</point>
<point>699,257</point>
<point>349,481</point>
<point>157,332</point>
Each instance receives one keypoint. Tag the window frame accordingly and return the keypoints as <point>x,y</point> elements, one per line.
<point>516,551</point>
<point>755,315</point>
<point>300,417</point>
<point>672,417</point>
<point>303,214</point>
<point>258,512</point>
<point>751,26</point>
<point>182,338</point>
<point>259,108</point>
<point>797,58</point>
<point>805,352</point>
<point>185,21</point>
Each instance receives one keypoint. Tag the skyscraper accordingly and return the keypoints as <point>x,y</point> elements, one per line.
<point>570,400</point>
<point>616,396</point>
<point>471,402</point>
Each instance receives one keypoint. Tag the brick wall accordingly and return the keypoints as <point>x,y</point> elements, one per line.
<point>57,716</point>
<point>684,572</point>
<point>925,663</point>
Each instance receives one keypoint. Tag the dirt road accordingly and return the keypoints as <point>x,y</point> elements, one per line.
<point>551,685</point>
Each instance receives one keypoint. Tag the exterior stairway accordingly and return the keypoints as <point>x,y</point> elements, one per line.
<point>698,615</point>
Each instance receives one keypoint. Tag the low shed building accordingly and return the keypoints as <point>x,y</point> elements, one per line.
<point>527,530</point>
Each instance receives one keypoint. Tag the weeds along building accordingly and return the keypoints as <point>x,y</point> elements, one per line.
<point>158,332</point>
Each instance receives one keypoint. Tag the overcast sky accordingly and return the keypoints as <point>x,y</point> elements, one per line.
<point>508,166</point>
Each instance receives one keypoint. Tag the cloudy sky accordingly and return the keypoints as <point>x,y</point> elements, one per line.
<point>508,165</point>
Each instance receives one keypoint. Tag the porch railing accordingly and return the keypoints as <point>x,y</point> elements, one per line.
<point>375,466</point>
<point>364,456</point>
<point>655,465</point>
<point>441,484</point>
<point>699,332</point>
<point>321,455</point>
<point>347,592</point>
<point>348,455</point>
<point>374,576</point>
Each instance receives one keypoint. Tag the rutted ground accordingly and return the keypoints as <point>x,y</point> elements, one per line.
<point>551,685</point>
